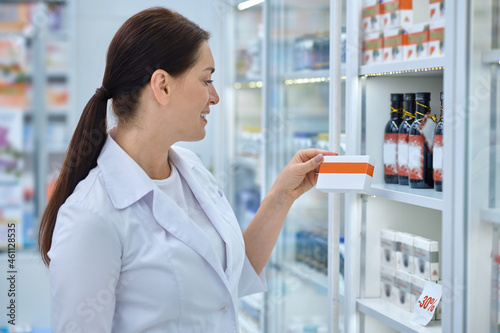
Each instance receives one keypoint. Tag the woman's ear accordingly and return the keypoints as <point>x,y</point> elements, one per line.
<point>161,86</point>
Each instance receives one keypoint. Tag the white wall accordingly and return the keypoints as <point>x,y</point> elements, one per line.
<point>98,20</point>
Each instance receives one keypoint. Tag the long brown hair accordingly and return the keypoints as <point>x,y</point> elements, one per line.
<point>155,38</point>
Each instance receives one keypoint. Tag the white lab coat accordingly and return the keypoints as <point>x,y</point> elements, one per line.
<point>125,258</point>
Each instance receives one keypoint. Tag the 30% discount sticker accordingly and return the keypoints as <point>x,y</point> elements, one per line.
<point>427,303</point>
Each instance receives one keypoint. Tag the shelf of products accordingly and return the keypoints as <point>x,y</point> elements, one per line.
<point>428,198</point>
<point>428,67</point>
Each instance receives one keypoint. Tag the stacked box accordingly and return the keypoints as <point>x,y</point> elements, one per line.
<point>416,42</point>
<point>403,285</point>
<point>396,13</point>
<point>404,255</point>
<point>436,39</point>
<point>388,248</point>
<point>426,258</point>
<point>393,45</point>
<point>373,48</point>
<point>417,287</point>
<point>371,16</point>
<point>388,290</point>
<point>436,9</point>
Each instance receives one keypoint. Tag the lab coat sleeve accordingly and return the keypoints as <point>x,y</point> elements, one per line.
<point>84,269</point>
<point>250,281</point>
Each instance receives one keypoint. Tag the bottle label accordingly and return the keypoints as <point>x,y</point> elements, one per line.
<point>416,157</point>
<point>437,158</point>
<point>403,154</point>
<point>390,154</point>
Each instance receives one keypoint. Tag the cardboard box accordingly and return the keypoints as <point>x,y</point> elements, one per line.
<point>426,258</point>
<point>404,253</point>
<point>416,42</point>
<point>417,286</point>
<point>396,13</point>
<point>436,10</point>
<point>388,289</point>
<point>403,286</point>
<point>436,39</point>
<point>388,248</point>
<point>393,45</point>
<point>373,48</point>
<point>345,174</point>
<point>371,16</point>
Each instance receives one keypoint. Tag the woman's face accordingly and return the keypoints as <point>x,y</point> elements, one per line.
<point>192,95</point>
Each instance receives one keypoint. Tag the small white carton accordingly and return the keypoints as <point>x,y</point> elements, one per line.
<point>426,258</point>
<point>403,286</point>
<point>345,174</point>
<point>404,254</point>
<point>417,287</point>
<point>416,42</point>
<point>373,47</point>
<point>436,9</point>
<point>388,289</point>
<point>396,13</point>
<point>371,16</point>
<point>388,248</point>
<point>436,39</point>
<point>393,45</point>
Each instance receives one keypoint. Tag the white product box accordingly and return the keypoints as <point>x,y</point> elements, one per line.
<point>371,16</point>
<point>393,45</point>
<point>416,42</point>
<point>388,248</point>
<point>373,48</point>
<point>388,290</point>
<point>404,253</point>
<point>345,174</point>
<point>396,13</point>
<point>436,39</point>
<point>403,286</point>
<point>436,9</point>
<point>426,258</point>
<point>417,286</point>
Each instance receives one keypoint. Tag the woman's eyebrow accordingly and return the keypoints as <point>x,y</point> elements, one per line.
<point>211,69</point>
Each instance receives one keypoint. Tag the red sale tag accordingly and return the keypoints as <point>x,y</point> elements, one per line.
<point>427,303</point>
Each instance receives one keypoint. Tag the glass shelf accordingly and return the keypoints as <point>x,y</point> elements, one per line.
<point>422,67</point>
<point>428,198</point>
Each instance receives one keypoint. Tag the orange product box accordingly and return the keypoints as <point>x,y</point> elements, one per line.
<point>345,174</point>
<point>373,47</point>
<point>416,42</point>
<point>396,13</point>
<point>436,9</point>
<point>436,39</point>
<point>393,45</point>
<point>371,16</point>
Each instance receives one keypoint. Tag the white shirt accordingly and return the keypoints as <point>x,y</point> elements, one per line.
<point>178,190</point>
<point>126,258</point>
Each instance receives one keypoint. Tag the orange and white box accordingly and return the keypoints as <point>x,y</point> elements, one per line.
<point>396,13</point>
<point>388,290</point>
<point>436,9</point>
<point>436,39</point>
<point>403,285</point>
<point>393,45</point>
<point>373,47</point>
<point>371,16</point>
<point>345,174</point>
<point>416,42</point>
<point>426,258</point>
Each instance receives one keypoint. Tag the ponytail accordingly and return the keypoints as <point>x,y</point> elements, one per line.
<point>81,157</point>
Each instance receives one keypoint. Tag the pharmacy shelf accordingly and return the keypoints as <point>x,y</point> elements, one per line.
<point>491,57</point>
<point>395,317</point>
<point>491,215</point>
<point>422,67</point>
<point>307,74</point>
<point>428,198</point>
<point>305,273</point>
<point>249,162</point>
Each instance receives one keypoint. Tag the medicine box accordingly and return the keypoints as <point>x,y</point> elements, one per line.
<point>371,16</point>
<point>396,13</point>
<point>345,174</point>
<point>417,287</point>
<point>404,253</point>
<point>416,42</point>
<point>426,258</point>
<point>436,39</point>
<point>388,248</point>
<point>373,47</point>
<point>403,286</point>
<point>393,45</point>
<point>388,289</point>
<point>436,9</point>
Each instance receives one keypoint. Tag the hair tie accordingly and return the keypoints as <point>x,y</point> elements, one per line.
<point>103,93</point>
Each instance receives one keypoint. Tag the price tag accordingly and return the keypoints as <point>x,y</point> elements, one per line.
<point>427,303</point>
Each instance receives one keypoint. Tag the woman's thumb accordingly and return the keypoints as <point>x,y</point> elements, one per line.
<point>312,163</point>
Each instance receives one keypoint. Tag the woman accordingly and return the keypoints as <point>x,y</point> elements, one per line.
<point>138,236</point>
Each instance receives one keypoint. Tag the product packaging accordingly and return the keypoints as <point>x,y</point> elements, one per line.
<point>426,258</point>
<point>396,13</point>
<point>403,286</point>
<point>388,289</point>
<point>416,42</point>
<point>436,39</point>
<point>388,248</point>
<point>345,174</point>
<point>436,9</point>
<point>393,45</point>
<point>371,16</point>
<point>404,254</point>
<point>373,47</point>
<point>417,286</point>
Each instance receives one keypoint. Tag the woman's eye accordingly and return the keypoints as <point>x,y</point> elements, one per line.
<point>208,82</point>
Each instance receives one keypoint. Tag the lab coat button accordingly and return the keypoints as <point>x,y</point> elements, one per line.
<point>224,308</point>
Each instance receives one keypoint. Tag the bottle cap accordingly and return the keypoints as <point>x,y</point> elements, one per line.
<point>409,97</point>
<point>396,97</point>
<point>441,96</point>
<point>423,96</point>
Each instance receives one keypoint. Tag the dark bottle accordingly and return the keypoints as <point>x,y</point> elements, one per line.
<point>419,155</point>
<point>391,140</point>
<point>437,152</point>
<point>404,132</point>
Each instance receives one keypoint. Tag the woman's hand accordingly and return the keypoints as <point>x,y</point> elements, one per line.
<point>300,175</point>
